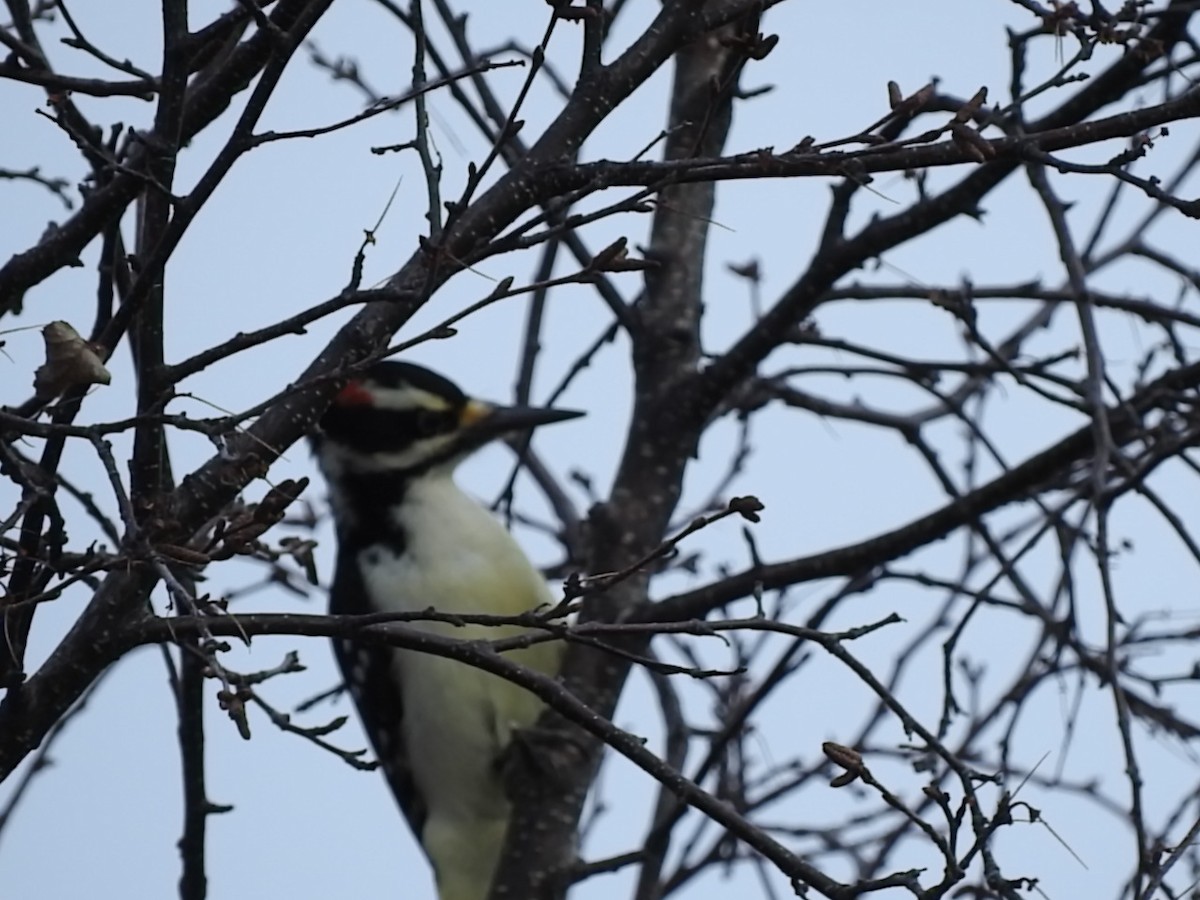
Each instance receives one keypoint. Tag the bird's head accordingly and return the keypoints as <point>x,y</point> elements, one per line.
<point>400,419</point>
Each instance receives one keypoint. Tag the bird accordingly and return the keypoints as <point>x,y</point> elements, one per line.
<point>408,540</point>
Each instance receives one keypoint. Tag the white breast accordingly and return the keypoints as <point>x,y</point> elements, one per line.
<point>458,559</point>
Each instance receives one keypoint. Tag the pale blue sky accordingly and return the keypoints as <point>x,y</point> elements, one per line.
<point>281,234</point>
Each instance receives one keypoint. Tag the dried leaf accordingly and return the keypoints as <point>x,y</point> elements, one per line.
<point>913,103</point>
<point>610,254</point>
<point>967,111</point>
<point>846,757</point>
<point>243,530</point>
<point>70,362</point>
<point>972,143</point>
<point>185,555</point>
<point>844,779</point>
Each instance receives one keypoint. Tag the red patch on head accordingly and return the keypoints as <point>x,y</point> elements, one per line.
<point>354,393</point>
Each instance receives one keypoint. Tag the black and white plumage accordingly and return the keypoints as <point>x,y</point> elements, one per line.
<point>409,540</point>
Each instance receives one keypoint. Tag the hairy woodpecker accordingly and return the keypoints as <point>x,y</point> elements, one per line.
<point>410,540</point>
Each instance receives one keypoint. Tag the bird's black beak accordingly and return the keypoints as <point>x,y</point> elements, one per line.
<point>484,422</point>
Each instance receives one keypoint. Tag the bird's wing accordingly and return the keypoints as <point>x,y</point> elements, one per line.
<point>372,679</point>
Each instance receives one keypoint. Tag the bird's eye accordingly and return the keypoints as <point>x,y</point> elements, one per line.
<point>432,421</point>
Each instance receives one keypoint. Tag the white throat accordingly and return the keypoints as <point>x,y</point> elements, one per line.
<point>456,556</point>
